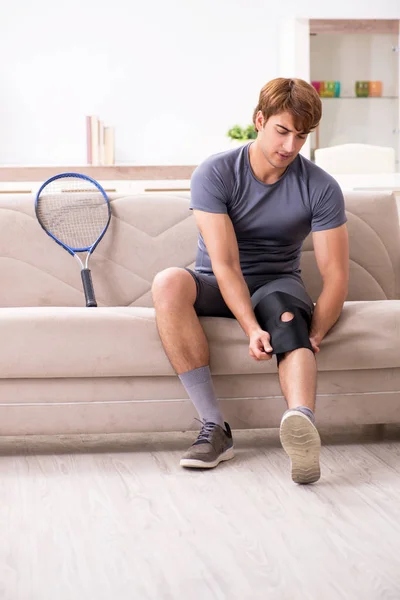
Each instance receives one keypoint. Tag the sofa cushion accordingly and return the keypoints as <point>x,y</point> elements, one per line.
<point>123,341</point>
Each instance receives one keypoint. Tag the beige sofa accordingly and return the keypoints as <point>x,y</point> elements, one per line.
<point>66,368</point>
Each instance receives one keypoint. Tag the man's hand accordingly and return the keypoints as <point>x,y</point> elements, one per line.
<point>315,342</point>
<point>260,345</point>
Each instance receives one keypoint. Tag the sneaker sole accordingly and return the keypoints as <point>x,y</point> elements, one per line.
<point>301,442</point>
<point>196,463</point>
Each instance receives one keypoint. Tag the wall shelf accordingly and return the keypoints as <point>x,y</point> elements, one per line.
<point>353,26</point>
<point>349,51</point>
<point>359,97</point>
<point>114,173</point>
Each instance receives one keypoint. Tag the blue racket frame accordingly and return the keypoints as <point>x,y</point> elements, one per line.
<point>85,271</point>
<point>73,251</point>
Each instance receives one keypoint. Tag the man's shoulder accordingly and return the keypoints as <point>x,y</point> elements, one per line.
<point>316,178</point>
<point>222,163</point>
<point>325,197</point>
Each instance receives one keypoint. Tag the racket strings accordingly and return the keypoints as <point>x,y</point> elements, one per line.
<point>73,211</point>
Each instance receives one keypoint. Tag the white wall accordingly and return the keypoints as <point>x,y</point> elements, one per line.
<point>294,55</point>
<point>171,75</point>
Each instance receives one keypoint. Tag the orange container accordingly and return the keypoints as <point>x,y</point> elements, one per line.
<point>375,88</point>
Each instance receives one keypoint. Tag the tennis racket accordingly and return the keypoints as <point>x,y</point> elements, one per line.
<point>75,211</point>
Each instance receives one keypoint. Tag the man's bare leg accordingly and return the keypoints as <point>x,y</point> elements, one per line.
<point>299,436</point>
<point>184,341</point>
<point>183,338</point>
<point>298,378</point>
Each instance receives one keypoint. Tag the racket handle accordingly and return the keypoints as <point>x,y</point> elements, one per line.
<point>88,287</point>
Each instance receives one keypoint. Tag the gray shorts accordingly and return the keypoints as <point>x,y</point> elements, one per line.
<point>210,303</point>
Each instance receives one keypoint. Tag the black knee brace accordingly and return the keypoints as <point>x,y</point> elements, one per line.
<point>285,335</point>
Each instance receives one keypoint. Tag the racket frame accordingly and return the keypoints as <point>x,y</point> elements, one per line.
<point>85,271</point>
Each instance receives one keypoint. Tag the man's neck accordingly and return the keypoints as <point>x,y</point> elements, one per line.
<point>261,168</point>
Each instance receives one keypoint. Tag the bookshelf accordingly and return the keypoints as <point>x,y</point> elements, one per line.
<point>350,51</point>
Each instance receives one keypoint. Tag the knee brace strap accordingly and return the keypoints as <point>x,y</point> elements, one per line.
<point>285,335</point>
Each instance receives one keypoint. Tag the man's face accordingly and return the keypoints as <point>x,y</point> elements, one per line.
<point>279,140</point>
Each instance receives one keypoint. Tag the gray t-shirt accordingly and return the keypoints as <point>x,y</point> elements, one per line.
<point>271,221</point>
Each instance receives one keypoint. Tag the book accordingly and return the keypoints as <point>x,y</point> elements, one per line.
<point>89,140</point>
<point>101,143</point>
<point>109,146</point>
<point>95,140</point>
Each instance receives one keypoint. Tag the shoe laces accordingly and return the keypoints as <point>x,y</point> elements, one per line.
<point>206,431</point>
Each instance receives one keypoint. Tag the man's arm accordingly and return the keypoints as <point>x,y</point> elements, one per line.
<point>220,239</point>
<point>331,249</point>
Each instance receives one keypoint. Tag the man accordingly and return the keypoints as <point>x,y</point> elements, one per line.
<point>254,207</point>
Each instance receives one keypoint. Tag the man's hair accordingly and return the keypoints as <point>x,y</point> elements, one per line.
<point>295,96</point>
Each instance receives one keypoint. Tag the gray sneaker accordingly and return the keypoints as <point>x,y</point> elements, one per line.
<point>213,445</point>
<point>301,442</point>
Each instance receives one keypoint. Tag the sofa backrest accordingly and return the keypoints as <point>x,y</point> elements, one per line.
<point>374,239</point>
<point>152,231</point>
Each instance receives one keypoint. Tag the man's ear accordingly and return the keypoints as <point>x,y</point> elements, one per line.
<point>259,121</point>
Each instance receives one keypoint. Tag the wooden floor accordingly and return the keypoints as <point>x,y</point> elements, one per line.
<point>115,517</point>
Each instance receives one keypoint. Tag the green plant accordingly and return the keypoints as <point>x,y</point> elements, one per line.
<point>242,134</point>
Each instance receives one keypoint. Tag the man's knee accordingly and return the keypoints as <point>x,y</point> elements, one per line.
<point>173,286</point>
<point>281,357</point>
<point>287,316</point>
<point>287,320</point>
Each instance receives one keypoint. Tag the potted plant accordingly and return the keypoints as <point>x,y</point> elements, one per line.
<point>240,135</point>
